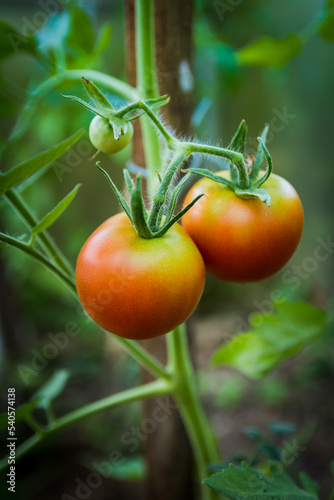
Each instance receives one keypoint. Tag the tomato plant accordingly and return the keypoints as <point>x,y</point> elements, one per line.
<point>243,239</point>
<point>140,274</point>
<point>135,287</point>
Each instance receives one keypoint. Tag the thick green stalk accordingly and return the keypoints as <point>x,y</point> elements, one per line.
<point>179,362</point>
<point>147,86</point>
<point>197,425</point>
<point>235,158</point>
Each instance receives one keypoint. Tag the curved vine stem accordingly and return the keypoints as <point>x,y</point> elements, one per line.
<point>57,271</point>
<point>156,388</point>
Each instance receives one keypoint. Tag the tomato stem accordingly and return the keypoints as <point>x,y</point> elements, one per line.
<point>197,425</point>
<point>147,85</point>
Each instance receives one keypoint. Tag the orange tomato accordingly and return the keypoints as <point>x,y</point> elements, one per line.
<point>138,288</point>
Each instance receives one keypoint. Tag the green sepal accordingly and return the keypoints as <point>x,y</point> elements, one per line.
<point>117,192</point>
<point>160,216</point>
<point>254,193</point>
<point>83,103</point>
<point>174,197</point>
<point>259,156</point>
<point>267,174</point>
<point>210,175</point>
<point>119,126</point>
<point>177,217</point>
<point>138,210</point>
<point>238,142</point>
<point>100,100</point>
<point>128,181</point>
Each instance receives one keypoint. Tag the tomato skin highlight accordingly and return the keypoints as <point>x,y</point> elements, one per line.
<point>101,135</point>
<point>243,240</point>
<point>138,288</point>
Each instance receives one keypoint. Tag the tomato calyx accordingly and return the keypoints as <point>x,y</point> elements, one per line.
<point>160,219</point>
<point>245,184</point>
<point>119,120</point>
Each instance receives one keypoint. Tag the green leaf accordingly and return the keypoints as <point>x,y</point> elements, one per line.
<point>309,484</point>
<point>52,35</point>
<point>270,52</point>
<point>270,450</point>
<point>282,428</point>
<point>249,484</point>
<point>52,388</point>
<point>21,172</point>
<point>56,212</point>
<point>273,338</point>
<point>22,412</point>
<point>12,42</point>
<point>103,39</point>
<point>326,30</point>
<point>81,36</point>
<point>253,433</point>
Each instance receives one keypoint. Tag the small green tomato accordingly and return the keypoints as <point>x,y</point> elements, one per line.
<point>102,137</point>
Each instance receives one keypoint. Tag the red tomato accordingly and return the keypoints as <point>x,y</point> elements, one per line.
<point>242,239</point>
<point>138,288</point>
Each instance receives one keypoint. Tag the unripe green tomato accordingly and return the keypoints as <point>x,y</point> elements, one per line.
<point>102,136</point>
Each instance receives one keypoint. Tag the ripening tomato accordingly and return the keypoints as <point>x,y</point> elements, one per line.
<point>101,135</point>
<point>243,239</point>
<point>138,288</point>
